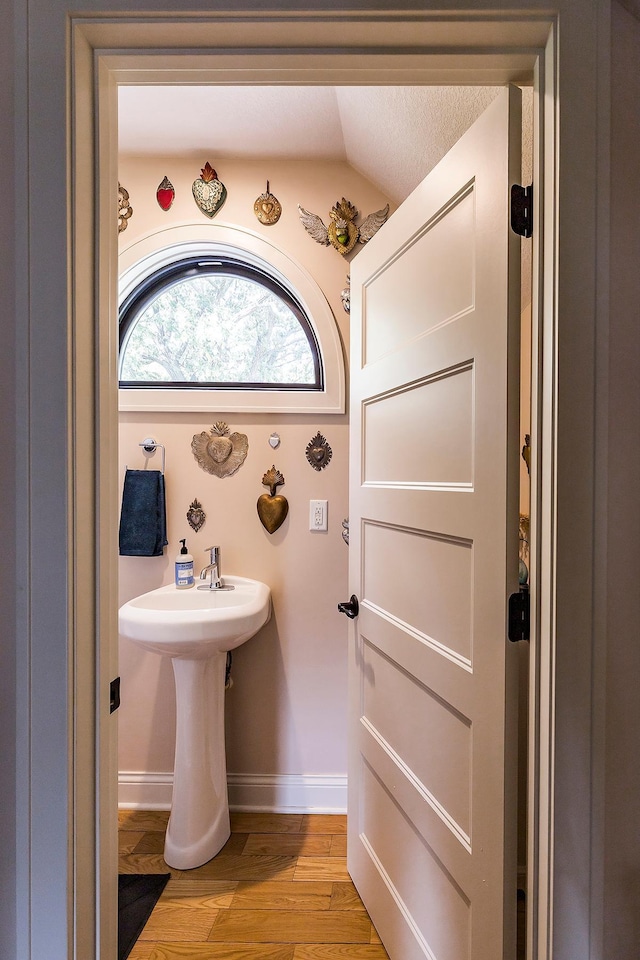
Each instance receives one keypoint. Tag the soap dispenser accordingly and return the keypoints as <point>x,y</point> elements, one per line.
<point>184,568</point>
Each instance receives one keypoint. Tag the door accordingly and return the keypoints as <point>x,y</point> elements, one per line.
<point>433,554</point>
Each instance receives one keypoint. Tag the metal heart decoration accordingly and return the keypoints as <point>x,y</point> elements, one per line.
<point>217,452</point>
<point>318,452</point>
<point>209,193</point>
<point>219,449</point>
<point>267,208</point>
<point>342,232</point>
<point>272,508</point>
<point>272,511</point>
<point>196,515</point>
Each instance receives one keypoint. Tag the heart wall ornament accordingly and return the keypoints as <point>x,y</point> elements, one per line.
<point>165,194</point>
<point>267,208</point>
<point>318,452</point>
<point>342,232</point>
<point>219,453</point>
<point>209,193</point>
<point>196,515</point>
<point>272,508</point>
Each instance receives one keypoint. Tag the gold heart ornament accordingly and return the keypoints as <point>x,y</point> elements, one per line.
<point>267,208</point>
<point>272,511</point>
<point>218,453</point>
<point>272,508</point>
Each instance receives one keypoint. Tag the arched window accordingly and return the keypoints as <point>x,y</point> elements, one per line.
<point>216,323</point>
<point>222,320</point>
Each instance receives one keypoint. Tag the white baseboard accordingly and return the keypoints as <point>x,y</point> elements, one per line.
<point>287,794</point>
<point>144,791</point>
<point>306,793</point>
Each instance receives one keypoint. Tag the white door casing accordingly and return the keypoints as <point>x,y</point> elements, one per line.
<point>433,557</point>
<point>564,455</point>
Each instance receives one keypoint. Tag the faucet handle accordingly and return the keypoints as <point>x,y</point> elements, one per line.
<point>214,553</point>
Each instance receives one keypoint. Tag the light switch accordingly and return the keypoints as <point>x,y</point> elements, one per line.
<point>318,514</point>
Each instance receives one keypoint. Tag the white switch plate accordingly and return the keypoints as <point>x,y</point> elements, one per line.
<point>318,514</point>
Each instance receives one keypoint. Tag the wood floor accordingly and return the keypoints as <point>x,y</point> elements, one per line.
<point>279,890</point>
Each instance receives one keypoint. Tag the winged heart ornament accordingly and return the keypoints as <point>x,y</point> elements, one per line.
<point>342,233</point>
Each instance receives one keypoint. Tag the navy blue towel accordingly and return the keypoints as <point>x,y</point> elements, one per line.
<point>143,518</point>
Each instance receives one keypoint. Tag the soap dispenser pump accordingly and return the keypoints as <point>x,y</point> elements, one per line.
<point>184,568</point>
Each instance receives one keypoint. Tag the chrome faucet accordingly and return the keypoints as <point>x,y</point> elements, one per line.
<point>212,568</point>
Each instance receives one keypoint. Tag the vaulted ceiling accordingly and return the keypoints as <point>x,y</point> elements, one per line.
<point>391,135</point>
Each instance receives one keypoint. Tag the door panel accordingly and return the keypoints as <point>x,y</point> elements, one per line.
<point>423,268</point>
<point>446,570</point>
<point>434,535</point>
<point>446,420</point>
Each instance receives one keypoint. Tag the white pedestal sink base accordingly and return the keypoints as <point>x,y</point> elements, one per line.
<point>195,628</point>
<point>199,823</point>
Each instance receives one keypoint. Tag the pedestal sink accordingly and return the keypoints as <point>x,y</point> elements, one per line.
<point>196,628</point>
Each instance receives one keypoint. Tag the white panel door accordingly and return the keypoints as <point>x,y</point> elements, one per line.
<point>434,535</point>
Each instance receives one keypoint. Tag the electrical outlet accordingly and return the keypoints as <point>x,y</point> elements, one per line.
<point>318,514</point>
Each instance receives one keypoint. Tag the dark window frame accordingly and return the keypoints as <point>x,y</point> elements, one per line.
<point>170,274</point>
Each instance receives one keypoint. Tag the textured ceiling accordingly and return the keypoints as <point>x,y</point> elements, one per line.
<point>391,135</point>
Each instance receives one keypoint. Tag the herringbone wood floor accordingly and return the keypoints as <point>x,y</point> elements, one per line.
<point>278,890</point>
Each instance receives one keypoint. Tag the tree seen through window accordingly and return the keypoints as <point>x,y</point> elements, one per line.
<point>209,324</point>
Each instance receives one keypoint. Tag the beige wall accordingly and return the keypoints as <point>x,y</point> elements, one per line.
<point>286,711</point>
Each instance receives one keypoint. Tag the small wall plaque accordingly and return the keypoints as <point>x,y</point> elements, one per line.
<point>345,530</point>
<point>165,194</point>
<point>196,516</point>
<point>267,208</point>
<point>125,210</point>
<point>318,452</point>
<point>345,295</point>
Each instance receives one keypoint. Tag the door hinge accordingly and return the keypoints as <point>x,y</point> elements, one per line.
<point>519,616</point>
<point>114,695</point>
<point>522,210</point>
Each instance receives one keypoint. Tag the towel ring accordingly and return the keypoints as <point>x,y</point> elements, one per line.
<point>150,445</point>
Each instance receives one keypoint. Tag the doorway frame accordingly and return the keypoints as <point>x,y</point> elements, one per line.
<point>107,52</point>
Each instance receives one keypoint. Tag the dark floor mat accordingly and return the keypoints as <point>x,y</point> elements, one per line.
<point>137,896</point>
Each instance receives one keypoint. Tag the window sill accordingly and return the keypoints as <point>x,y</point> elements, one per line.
<point>230,401</point>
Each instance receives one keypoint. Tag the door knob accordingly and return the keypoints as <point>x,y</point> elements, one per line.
<point>350,607</point>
